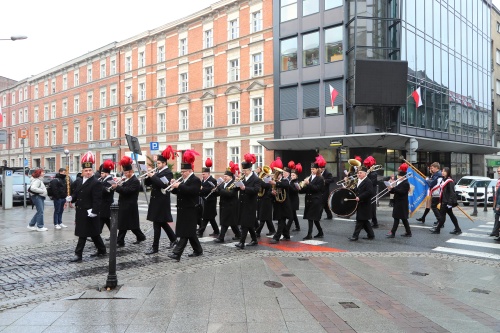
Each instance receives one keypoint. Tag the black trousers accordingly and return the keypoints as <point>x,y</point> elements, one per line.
<point>270,226</point>
<point>244,233</point>
<point>395,226</point>
<point>105,221</point>
<point>374,213</point>
<point>204,224</point>
<point>363,225</point>
<point>157,226</point>
<point>224,228</point>
<point>137,232</point>
<point>282,230</point>
<point>434,207</point>
<point>310,227</point>
<point>496,226</point>
<point>292,220</point>
<point>99,244</point>
<point>327,210</point>
<point>442,217</point>
<point>181,245</point>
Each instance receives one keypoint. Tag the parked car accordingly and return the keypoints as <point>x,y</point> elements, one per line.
<point>465,189</point>
<point>17,189</point>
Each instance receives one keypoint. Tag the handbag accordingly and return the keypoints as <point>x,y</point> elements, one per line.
<point>30,191</point>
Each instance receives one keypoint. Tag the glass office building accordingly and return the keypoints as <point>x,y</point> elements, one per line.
<point>447,46</point>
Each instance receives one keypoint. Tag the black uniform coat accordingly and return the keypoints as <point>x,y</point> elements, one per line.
<point>294,194</point>
<point>188,194</point>
<point>328,177</point>
<point>283,210</point>
<point>365,193</point>
<point>159,204</point>
<point>314,198</point>
<point>87,196</point>
<point>107,197</point>
<point>374,179</point>
<point>228,205</point>
<point>401,210</point>
<point>210,204</point>
<point>265,202</point>
<point>248,201</point>
<point>128,211</point>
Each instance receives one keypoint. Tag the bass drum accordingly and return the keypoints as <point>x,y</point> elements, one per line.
<point>340,202</point>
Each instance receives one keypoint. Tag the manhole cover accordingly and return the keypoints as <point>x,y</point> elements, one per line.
<point>287,274</point>
<point>349,305</point>
<point>303,259</point>
<point>419,273</point>
<point>273,284</point>
<point>481,291</point>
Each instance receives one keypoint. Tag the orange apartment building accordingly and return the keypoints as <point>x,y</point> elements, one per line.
<point>203,82</point>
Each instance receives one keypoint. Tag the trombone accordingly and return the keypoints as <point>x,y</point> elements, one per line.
<point>169,188</point>
<point>386,190</point>
<point>219,183</point>
<point>146,174</point>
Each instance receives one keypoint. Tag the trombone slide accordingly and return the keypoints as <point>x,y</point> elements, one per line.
<point>169,188</point>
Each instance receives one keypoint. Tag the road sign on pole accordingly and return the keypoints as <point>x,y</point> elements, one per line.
<point>154,145</point>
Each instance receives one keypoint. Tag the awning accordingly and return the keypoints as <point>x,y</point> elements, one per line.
<point>379,140</point>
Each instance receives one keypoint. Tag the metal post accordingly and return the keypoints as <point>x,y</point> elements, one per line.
<point>485,198</point>
<point>24,178</point>
<point>376,198</point>
<point>474,213</point>
<point>112,280</point>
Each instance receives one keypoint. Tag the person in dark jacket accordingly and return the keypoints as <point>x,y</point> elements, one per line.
<point>107,193</point>
<point>159,211</point>
<point>209,204</point>
<point>294,197</point>
<point>448,200</point>
<point>228,207</point>
<point>87,198</point>
<point>59,189</point>
<point>364,194</point>
<point>282,206</point>
<point>496,208</point>
<point>400,188</point>
<point>372,175</point>
<point>328,178</point>
<point>265,209</point>
<point>313,188</point>
<point>128,210</point>
<point>188,193</point>
<point>434,182</point>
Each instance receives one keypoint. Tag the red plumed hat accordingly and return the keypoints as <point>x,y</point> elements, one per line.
<point>126,163</point>
<point>168,154</point>
<point>402,169</point>
<point>278,163</point>
<point>358,158</point>
<point>107,166</point>
<point>188,159</point>
<point>320,161</point>
<point>208,165</point>
<point>87,160</point>
<point>298,168</point>
<point>291,165</point>
<point>369,162</point>
<point>249,161</point>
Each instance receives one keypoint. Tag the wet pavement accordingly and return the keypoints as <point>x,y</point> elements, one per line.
<point>382,286</point>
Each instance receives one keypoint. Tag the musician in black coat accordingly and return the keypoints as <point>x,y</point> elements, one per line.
<point>188,194</point>
<point>369,162</point>
<point>328,178</point>
<point>87,198</point>
<point>400,188</point>
<point>208,183</point>
<point>248,204</point>
<point>265,203</point>
<point>159,203</point>
<point>228,207</point>
<point>282,206</point>
<point>107,194</point>
<point>314,186</point>
<point>364,194</point>
<point>128,210</point>
<point>293,193</point>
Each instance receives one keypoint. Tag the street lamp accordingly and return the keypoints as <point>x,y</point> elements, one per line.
<point>14,38</point>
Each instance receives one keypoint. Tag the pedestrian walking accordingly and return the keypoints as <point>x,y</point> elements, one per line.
<point>282,206</point>
<point>434,182</point>
<point>107,193</point>
<point>38,194</point>
<point>208,183</point>
<point>228,205</point>
<point>400,188</point>
<point>496,208</point>
<point>313,188</point>
<point>59,191</point>
<point>447,200</point>
<point>364,194</point>
<point>294,194</point>
<point>328,178</point>
<point>372,175</point>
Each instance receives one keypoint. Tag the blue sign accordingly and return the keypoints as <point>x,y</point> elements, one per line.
<point>154,145</point>
<point>25,162</point>
<point>8,173</point>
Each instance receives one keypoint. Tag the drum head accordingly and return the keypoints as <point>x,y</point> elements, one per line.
<point>340,203</point>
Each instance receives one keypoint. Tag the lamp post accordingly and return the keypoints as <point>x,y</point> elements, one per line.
<point>14,38</point>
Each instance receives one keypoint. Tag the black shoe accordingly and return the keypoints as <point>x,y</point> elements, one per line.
<point>319,235</point>
<point>198,234</point>
<point>421,220</point>
<point>369,238</point>
<point>390,235</point>
<point>253,243</point>
<point>194,254</point>
<point>353,239</point>
<point>405,235</point>
<point>274,241</point>
<point>270,233</point>
<point>375,226</point>
<point>139,240</point>
<point>120,244</point>
<point>497,239</point>
<point>236,238</point>
<point>456,232</point>
<point>214,234</point>
<point>98,254</point>
<point>174,256</point>
<point>435,231</point>
<point>286,238</point>
<point>218,240</point>
<point>435,223</point>
<point>493,235</point>
<point>172,244</point>
<point>296,229</point>
<point>329,218</point>
<point>76,259</point>
<point>241,246</point>
<point>307,237</point>
<point>151,251</point>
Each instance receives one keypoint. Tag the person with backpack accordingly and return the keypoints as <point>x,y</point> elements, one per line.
<point>58,192</point>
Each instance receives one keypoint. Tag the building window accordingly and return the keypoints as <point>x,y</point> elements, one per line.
<point>498,87</point>
<point>234,153</point>
<point>142,91</point>
<point>233,29</point>
<point>257,110</point>
<point>161,53</point>
<point>36,115</point>
<point>257,64</point>
<point>45,112</point>
<point>76,105</point>
<point>37,140</point>
<point>103,99</point>
<point>310,49</point>
<point>234,113</point>
<point>26,92</point>
<point>65,82</point>
<point>209,117</point>
<point>90,132</point>
<point>183,82</point>
<point>90,101</point>
<point>53,86</point>
<point>65,108</point>
<point>113,129</point>
<point>182,47</point>
<point>53,114</point>
<point>333,44</point>
<point>338,107</point>
<point>234,70</point>
<point>142,125</point>
<point>183,120</point>
<point>112,70</point>
<point>36,94</point>
<point>25,115</point>
<point>288,10</point>
<point>310,7</point>
<point>20,116</point>
<point>54,138</point>
<point>209,38</point>
<point>310,100</point>
<point>162,123</point>
<point>76,134</point>
<point>13,118</point>
<point>329,4</point>
<point>103,131</point>
<point>76,79</point>
<point>65,136</point>
<point>128,94</point>
<point>256,21</point>
<point>209,77</point>
<point>103,71</point>
<point>141,61</point>
<point>112,97</point>
<point>128,126</point>
<point>20,95</point>
<point>498,27</point>
<point>161,88</point>
<point>289,54</point>
<point>46,139</point>
<point>257,151</point>
<point>89,74</point>
<point>498,57</point>
<point>128,63</point>
<point>45,91</point>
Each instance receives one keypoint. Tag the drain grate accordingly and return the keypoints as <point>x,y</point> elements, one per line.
<point>419,273</point>
<point>349,305</point>
<point>481,291</point>
<point>273,284</point>
<point>303,259</point>
<point>287,274</point>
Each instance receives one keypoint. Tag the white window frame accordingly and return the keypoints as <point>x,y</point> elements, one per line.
<point>76,134</point>
<point>208,38</point>
<point>129,126</point>
<point>113,127</point>
<point>128,94</point>
<point>183,82</point>
<point>13,118</point>
<point>46,112</point>
<point>234,70</point>
<point>65,107</point>
<point>102,99</point>
<point>65,82</point>
<point>89,74</point>
<point>234,116</point>
<point>37,139</point>
<point>90,101</point>
<point>141,126</point>
<point>76,104</point>
<point>47,139</point>
<point>183,120</point>
<point>161,53</point>
<point>103,130</point>
<point>90,132</point>
<point>256,21</point>
<point>257,109</point>
<point>183,47</point>
<point>25,116</point>
<point>142,91</point>
<point>112,97</point>
<point>162,123</point>
<point>65,136</point>
<point>76,79</point>
<point>45,90</point>
<point>141,59</point>
<point>208,116</point>
<point>103,70</point>
<point>128,63</point>
<point>54,137</point>
<point>234,154</point>
<point>257,64</point>
<point>233,29</point>
<point>112,69</point>
<point>53,111</point>
<point>259,155</point>
<point>53,86</point>
<point>36,94</point>
<point>208,76</point>
<point>161,88</point>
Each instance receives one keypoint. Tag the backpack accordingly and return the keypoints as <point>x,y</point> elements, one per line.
<point>50,191</point>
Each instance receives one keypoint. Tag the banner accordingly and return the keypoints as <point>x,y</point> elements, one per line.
<point>418,191</point>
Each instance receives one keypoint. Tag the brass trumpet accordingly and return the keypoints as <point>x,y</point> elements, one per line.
<point>280,193</point>
<point>266,171</point>
<point>169,188</point>
<point>146,174</point>
<point>230,187</point>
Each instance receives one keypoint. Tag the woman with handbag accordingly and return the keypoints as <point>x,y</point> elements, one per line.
<point>38,194</point>
<point>448,200</point>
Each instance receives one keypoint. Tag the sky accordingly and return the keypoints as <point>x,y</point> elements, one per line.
<point>61,30</point>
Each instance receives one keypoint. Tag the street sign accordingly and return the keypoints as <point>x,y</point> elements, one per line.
<point>22,133</point>
<point>57,149</point>
<point>154,145</point>
<point>25,162</point>
<point>8,173</point>
<point>3,136</point>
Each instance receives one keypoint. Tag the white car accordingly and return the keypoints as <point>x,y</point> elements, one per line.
<point>465,194</point>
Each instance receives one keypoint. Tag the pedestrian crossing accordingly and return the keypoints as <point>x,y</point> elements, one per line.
<point>476,242</point>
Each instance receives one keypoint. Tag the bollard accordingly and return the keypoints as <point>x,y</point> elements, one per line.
<point>112,280</point>
<point>485,198</point>
<point>474,213</point>
<point>376,198</point>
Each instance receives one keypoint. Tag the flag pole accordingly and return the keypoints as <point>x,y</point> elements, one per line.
<point>411,166</point>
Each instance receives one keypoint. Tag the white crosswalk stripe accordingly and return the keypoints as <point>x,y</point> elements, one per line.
<point>467,252</point>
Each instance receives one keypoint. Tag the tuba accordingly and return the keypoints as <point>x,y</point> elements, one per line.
<point>280,192</point>
<point>351,180</point>
<point>266,171</point>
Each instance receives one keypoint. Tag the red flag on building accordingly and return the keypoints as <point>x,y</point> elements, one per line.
<point>417,97</point>
<point>1,115</point>
<point>333,94</point>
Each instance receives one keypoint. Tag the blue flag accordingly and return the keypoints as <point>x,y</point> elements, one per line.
<point>418,191</point>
